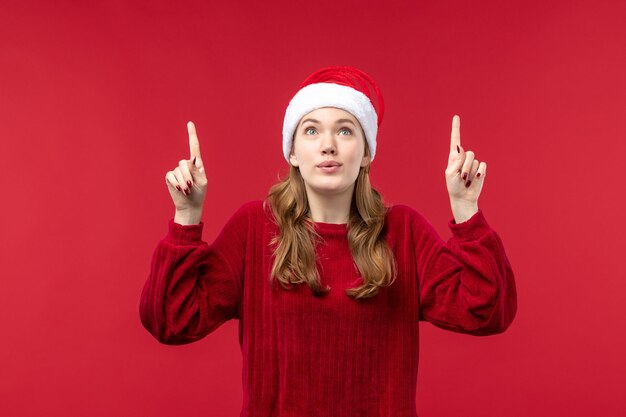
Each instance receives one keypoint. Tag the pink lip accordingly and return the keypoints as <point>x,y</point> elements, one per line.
<point>329,164</point>
<point>329,169</point>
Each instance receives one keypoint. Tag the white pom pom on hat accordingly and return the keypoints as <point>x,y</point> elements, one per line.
<point>339,86</point>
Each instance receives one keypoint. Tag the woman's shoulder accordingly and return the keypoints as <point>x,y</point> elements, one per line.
<point>402,213</point>
<point>402,219</point>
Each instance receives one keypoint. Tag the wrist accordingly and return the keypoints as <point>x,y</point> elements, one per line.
<point>463,210</point>
<point>188,216</point>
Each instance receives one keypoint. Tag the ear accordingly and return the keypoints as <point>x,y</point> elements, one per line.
<point>293,159</point>
<point>365,161</point>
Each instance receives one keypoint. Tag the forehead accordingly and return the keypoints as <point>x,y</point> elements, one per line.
<point>329,114</point>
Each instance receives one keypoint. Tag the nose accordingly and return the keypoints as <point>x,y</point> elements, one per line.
<point>328,145</point>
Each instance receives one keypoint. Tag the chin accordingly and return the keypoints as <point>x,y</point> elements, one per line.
<point>329,188</point>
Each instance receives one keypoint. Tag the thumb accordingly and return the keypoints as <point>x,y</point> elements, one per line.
<point>197,164</point>
<point>460,158</point>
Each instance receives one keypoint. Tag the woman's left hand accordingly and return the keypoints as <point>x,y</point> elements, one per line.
<point>464,175</point>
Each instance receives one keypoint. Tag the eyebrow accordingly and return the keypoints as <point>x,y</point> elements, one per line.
<point>337,122</point>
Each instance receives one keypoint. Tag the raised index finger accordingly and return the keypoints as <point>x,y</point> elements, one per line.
<point>194,144</point>
<point>455,136</point>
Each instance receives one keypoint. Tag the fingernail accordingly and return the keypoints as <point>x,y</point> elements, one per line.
<point>186,191</point>
<point>464,176</point>
<point>468,184</point>
<point>457,149</point>
<point>178,188</point>
<point>477,174</point>
<point>189,184</point>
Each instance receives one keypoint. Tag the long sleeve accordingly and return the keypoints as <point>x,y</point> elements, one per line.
<point>193,287</point>
<point>466,284</point>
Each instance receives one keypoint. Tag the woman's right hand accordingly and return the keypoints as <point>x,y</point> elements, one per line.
<point>187,182</point>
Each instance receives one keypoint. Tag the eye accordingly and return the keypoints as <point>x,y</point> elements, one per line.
<point>345,129</point>
<point>306,130</point>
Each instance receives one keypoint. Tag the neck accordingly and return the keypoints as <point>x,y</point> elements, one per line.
<point>330,208</point>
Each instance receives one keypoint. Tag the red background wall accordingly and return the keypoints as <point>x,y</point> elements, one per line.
<point>93,104</point>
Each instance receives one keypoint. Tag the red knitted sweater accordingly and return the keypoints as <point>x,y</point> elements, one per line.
<point>328,356</point>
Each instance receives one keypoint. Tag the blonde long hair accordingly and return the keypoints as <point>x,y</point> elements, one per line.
<point>294,246</point>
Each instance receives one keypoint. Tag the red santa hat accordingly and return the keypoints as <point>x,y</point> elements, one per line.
<point>344,87</point>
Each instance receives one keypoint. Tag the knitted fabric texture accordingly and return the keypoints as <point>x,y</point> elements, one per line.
<point>332,355</point>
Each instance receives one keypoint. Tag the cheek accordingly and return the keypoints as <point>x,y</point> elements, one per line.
<point>356,153</point>
<point>305,151</point>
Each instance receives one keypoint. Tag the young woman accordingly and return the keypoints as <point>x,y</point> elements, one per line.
<point>339,335</point>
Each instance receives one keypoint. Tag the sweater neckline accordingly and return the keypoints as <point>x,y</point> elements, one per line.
<point>331,227</point>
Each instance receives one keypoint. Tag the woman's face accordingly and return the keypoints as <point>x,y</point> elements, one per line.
<point>329,134</point>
